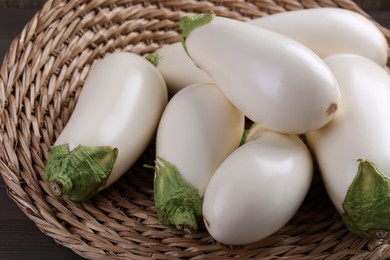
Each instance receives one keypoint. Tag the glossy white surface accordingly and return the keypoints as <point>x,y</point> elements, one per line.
<point>198,130</point>
<point>177,69</point>
<point>273,80</point>
<point>258,188</point>
<point>360,130</point>
<point>120,106</point>
<point>329,31</point>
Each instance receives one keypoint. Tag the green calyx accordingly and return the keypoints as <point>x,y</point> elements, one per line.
<point>245,135</point>
<point>177,201</point>
<point>152,58</point>
<point>190,23</point>
<point>367,203</point>
<point>78,174</point>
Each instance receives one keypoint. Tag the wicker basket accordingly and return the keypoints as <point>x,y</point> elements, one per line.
<point>40,81</point>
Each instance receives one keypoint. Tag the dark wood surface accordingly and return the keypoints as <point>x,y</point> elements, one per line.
<point>19,237</point>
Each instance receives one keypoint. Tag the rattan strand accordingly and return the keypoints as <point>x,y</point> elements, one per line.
<point>40,80</point>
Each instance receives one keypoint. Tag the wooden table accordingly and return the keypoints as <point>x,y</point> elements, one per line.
<point>19,237</point>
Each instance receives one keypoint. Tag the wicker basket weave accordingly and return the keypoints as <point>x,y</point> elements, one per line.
<point>40,81</point>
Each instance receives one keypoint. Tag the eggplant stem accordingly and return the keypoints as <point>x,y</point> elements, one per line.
<point>56,188</point>
<point>367,201</point>
<point>177,202</point>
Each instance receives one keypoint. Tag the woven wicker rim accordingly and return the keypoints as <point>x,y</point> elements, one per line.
<point>40,80</point>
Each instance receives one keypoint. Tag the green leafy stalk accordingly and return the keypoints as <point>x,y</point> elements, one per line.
<point>367,203</point>
<point>190,23</point>
<point>177,201</point>
<point>78,174</point>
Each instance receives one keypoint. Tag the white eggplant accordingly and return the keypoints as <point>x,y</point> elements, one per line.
<point>177,69</point>
<point>329,31</point>
<point>354,148</point>
<point>258,188</point>
<point>115,118</point>
<point>274,80</point>
<point>198,130</point>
